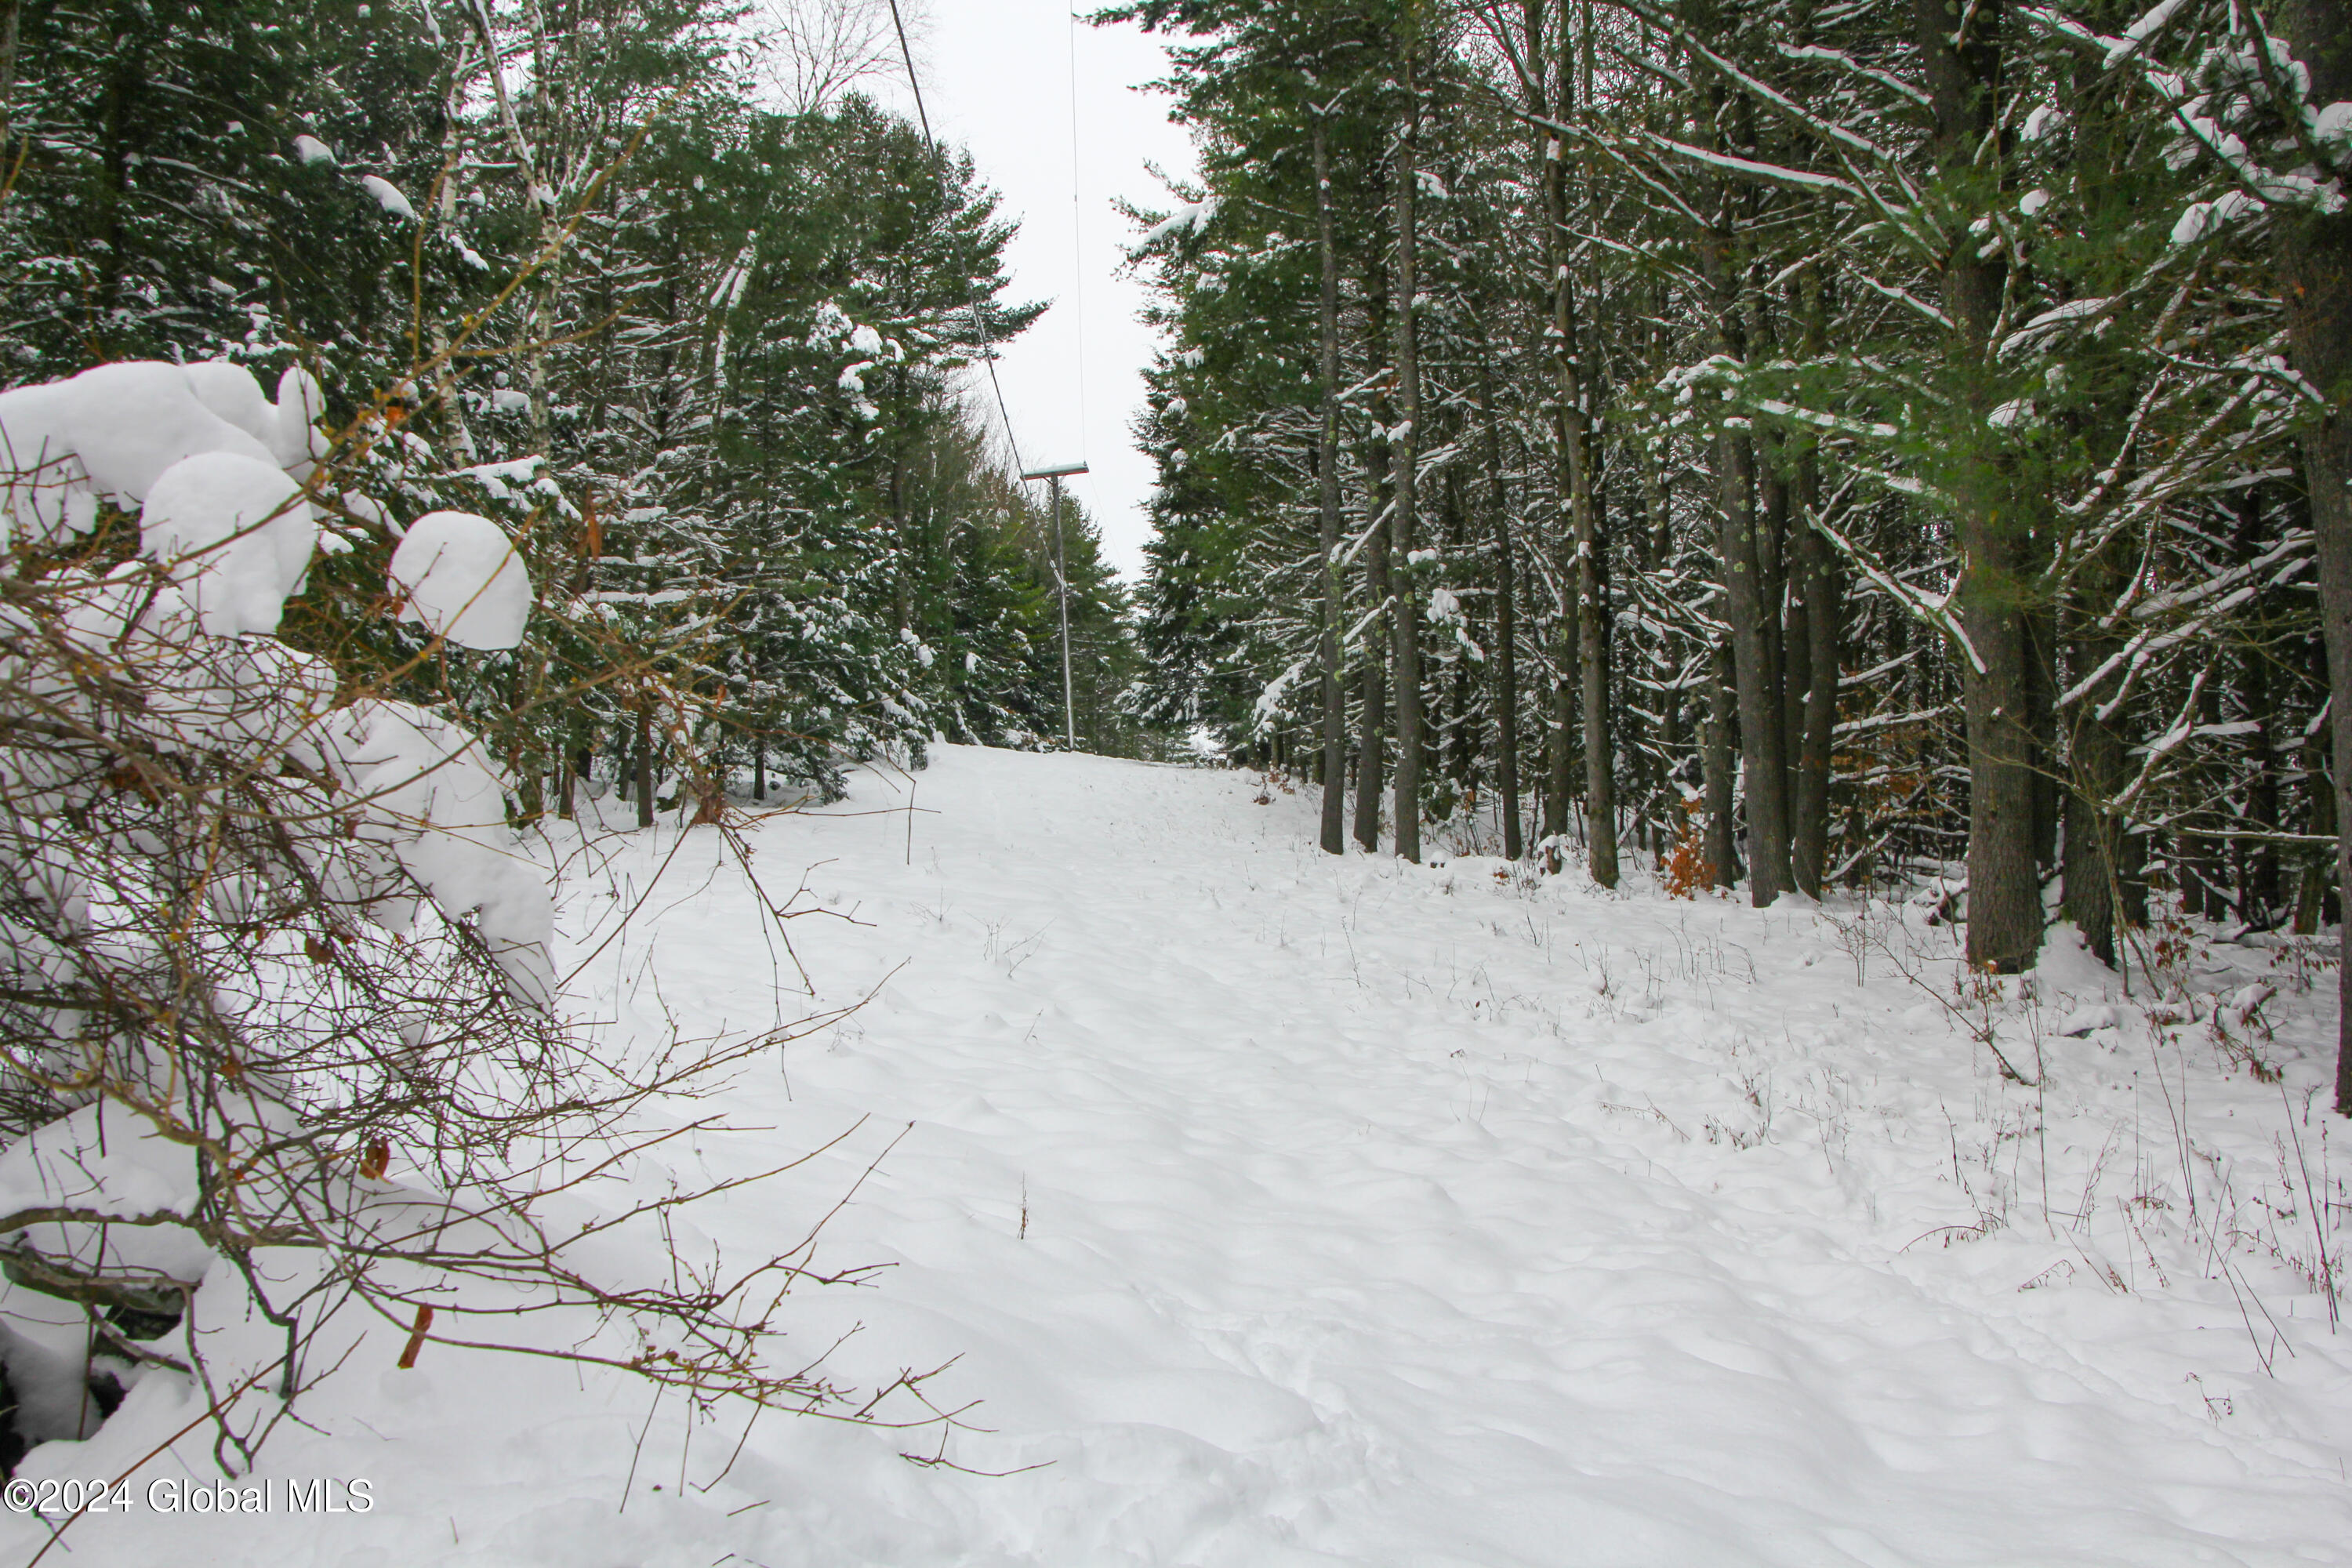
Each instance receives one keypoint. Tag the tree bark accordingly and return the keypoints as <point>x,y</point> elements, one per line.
<point>1575,423</point>
<point>1824,588</point>
<point>2257,862</point>
<point>1714,763</point>
<point>2320,797</point>
<point>1560,788</point>
<point>645,763</point>
<point>1763,763</point>
<point>1506,627</point>
<point>2315,281</point>
<point>1763,751</point>
<point>1991,513</point>
<point>1405,619</point>
<point>2093,867</point>
<point>1374,698</point>
<point>1335,708</point>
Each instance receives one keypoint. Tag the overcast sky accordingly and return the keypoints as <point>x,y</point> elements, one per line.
<point>997,78</point>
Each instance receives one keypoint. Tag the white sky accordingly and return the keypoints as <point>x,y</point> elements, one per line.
<point>997,78</point>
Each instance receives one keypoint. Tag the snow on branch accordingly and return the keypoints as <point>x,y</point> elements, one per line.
<point>1773,173</point>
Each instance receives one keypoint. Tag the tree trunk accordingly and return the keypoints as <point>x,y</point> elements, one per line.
<point>1559,787</point>
<point>1405,619</point>
<point>1761,753</point>
<point>1575,425</point>
<point>1506,628</point>
<point>2094,869</point>
<point>1755,662</point>
<point>645,763</point>
<point>2315,281</point>
<point>2257,862</point>
<point>1327,476</point>
<point>2004,890</point>
<point>1592,652</point>
<point>1824,588</point>
<point>2319,792</point>
<point>2041,720</point>
<point>1992,514</point>
<point>1458,735</point>
<point>1375,699</point>
<point>1716,765</point>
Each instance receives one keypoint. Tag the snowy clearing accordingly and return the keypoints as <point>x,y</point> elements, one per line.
<point>1291,1210</point>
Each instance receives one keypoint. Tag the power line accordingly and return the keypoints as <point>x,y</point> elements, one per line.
<point>978,323</point>
<point>1078,240</point>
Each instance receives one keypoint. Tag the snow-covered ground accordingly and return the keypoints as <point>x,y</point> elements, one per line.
<point>1286,1209</point>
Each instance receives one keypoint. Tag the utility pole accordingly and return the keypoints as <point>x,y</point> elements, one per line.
<point>1053,477</point>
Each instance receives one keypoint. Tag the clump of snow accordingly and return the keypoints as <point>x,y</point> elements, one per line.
<point>2202,217</point>
<point>1190,219</point>
<point>113,430</point>
<point>106,1160</point>
<point>311,150</point>
<point>830,326</point>
<point>462,580</point>
<point>387,196</point>
<point>287,427</point>
<point>496,477</point>
<point>237,536</point>
<point>432,798</point>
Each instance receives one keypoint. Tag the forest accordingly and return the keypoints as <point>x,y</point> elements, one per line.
<point>1811,445</point>
<point>1691,911</point>
<point>670,300</point>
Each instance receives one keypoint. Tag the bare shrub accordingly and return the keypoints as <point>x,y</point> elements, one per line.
<point>279,1048</point>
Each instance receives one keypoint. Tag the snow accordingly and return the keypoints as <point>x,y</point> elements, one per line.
<point>431,797</point>
<point>2199,218</point>
<point>237,534</point>
<point>106,1160</point>
<point>287,426</point>
<point>2045,119</point>
<point>496,477</point>
<point>1189,218</point>
<point>462,580</point>
<point>387,196</point>
<point>1292,1209</point>
<point>113,430</point>
<point>2148,25</point>
<point>311,150</point>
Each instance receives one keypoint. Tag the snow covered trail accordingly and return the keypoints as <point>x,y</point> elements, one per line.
<point>1288,1209</point>
<point>1362,1223</point>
